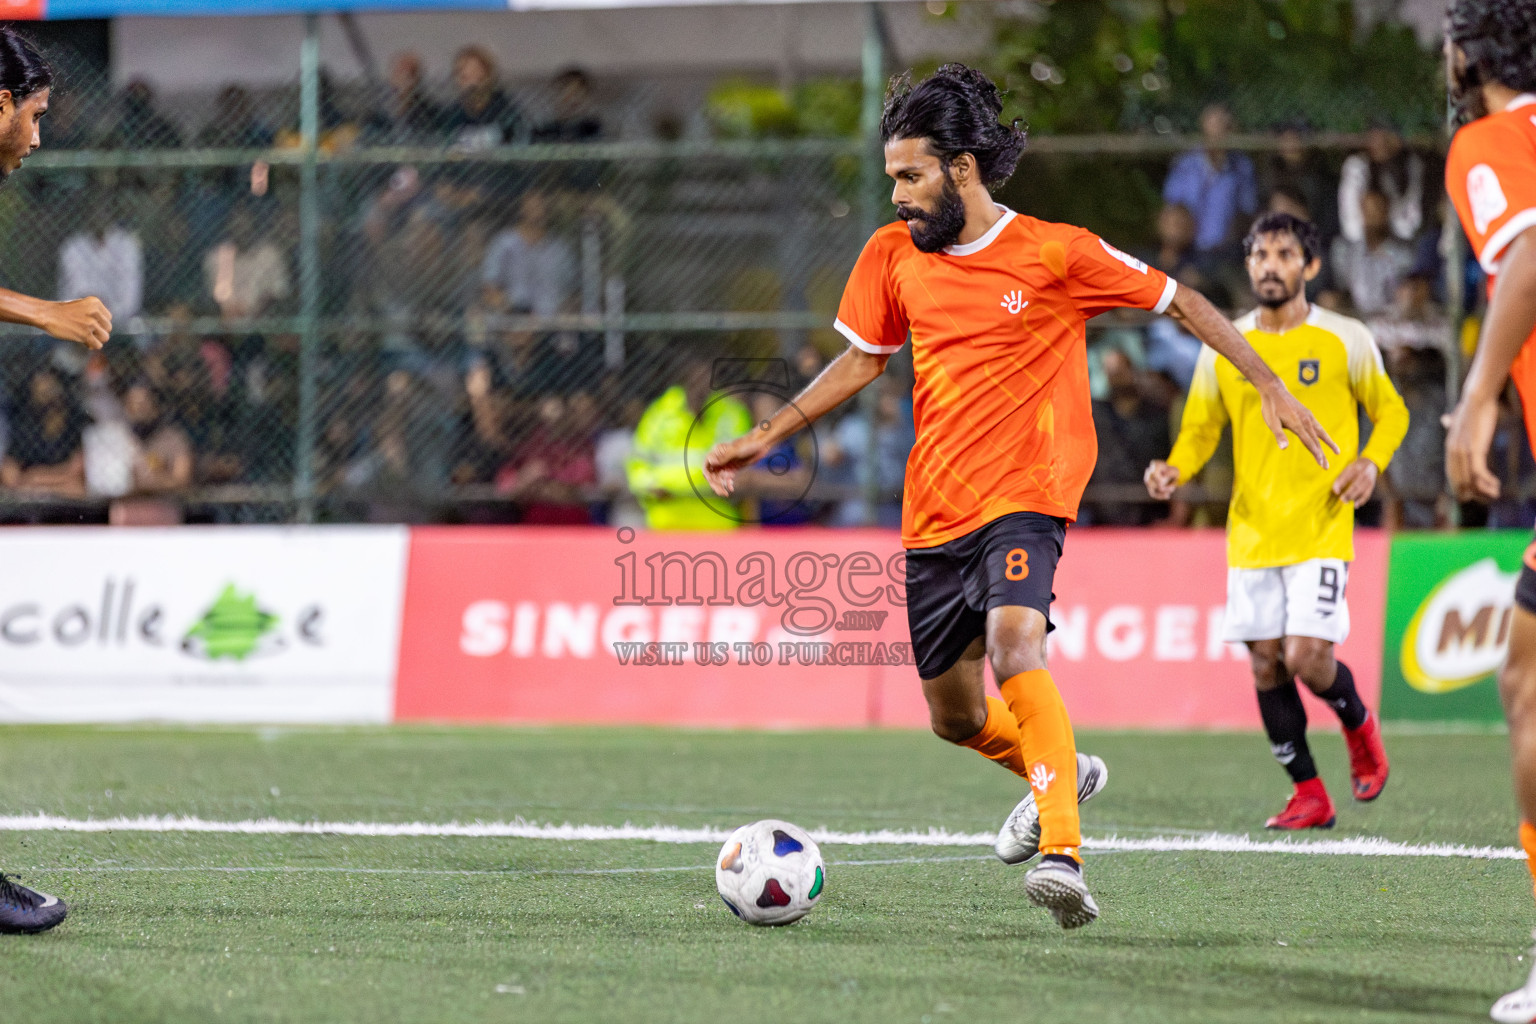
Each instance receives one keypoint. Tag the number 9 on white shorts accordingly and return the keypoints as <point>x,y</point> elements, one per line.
<point>1305,599</point>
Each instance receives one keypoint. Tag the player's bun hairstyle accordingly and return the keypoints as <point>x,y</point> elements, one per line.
<point>23,71</point>
<point>1499,39</point>
<point>1304,231</point>
<point>956,110</point>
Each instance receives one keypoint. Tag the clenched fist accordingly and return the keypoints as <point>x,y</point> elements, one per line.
<point>1357,483</point>
<point>83,321</point>
<point>1161,479</point>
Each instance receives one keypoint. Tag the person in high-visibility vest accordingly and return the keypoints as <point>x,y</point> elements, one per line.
<point>666,471</point>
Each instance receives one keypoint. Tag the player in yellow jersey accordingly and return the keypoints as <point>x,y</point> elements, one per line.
<point>1290,531</point>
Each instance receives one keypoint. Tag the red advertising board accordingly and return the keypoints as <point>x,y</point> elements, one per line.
<point>1138,631</point>
<point>22,10</point>
<point>805,628</point>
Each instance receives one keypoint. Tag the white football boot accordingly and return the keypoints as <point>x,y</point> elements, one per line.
<point>1019,839</point>
<point>1519,1006</point>
<point>1061,890</point>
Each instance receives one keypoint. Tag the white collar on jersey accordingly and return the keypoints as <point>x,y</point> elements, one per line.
<point>1525,99</point>
<point>1249,321</point>
<point>985,240</point>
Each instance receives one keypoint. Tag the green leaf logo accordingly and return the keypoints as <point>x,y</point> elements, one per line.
<point>233,627</point>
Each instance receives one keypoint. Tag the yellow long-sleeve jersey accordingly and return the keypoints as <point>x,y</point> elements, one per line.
<point>1283,508</point>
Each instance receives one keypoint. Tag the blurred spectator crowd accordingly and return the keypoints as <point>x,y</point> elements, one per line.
<point>1380,212</point>
<point>455,397</point>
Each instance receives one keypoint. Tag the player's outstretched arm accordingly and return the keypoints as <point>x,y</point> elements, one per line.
<point>1205,417</point>
<point>1511,319</point>
<point>843,378</point>
<point>1389,423</point>
<point>1281,409</point>
<point>83,321</point>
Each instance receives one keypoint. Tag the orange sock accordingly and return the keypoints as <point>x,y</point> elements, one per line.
<point>999,738</point>
<point>1045,734</point>
<point>1528,840</point>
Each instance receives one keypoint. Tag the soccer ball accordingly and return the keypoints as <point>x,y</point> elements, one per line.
<point>770,872</point>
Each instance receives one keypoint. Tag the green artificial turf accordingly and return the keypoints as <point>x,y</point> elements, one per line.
<point>198,927</point>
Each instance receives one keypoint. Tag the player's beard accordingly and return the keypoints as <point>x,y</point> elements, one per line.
<point>15,143</point>
<point>941,227</point>
<point>1465,88</point>
<point>1268,299</point>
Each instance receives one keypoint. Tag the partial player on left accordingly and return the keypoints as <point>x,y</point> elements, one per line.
<point>26,81</point>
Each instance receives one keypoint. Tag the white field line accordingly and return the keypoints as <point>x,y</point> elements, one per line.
<point>1212,842</point>
<point>1361,846</point>
<point>302,869</point>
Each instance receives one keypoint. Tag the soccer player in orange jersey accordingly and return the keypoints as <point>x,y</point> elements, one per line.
<point>1490,173</point>
<point>995,303</point>
<point>26,82</point>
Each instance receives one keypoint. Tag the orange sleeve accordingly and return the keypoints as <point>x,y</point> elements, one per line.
<point>870,316</point>
<point>1101,277</point>
<point>1490,174</point>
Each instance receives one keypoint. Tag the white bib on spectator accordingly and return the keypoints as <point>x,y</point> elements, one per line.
<point>109,449</point>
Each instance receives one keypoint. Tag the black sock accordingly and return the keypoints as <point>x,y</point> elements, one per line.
<point>1285,720</point>
<point>1061,858</point>
<point>1344,699</point>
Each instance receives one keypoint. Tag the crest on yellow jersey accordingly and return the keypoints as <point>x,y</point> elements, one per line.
<point>1310,368</point>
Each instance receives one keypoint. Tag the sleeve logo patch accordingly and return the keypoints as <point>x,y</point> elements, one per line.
<point>1486,196</point>
<point>1124,257</point>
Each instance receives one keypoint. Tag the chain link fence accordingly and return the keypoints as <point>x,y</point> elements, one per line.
<point>485,281</point>
<point>494,291</point>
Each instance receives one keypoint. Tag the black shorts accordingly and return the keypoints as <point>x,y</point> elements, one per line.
<point>950,588</point>
<point>1525,586</point>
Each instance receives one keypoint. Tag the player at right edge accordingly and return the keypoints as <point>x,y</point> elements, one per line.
<point>1290,532</point>
<point>1490,173</point>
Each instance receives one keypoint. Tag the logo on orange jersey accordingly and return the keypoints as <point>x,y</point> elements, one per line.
<point>1014,302</point>
<point>1041,777</point>
<point>1486,196</point>
<point>1309,371</point>
<point>1124,257</point>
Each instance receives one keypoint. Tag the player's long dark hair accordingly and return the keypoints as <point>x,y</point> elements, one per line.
<point>956,109</point>
<point>1304,231</point>
<point>1499,40</point>
<point>23,71</point>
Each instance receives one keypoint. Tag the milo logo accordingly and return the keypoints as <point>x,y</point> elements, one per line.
<point>1459,633</point>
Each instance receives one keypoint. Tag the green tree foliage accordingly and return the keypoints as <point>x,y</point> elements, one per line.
<point>819,108</point>
<point>1150,65</point>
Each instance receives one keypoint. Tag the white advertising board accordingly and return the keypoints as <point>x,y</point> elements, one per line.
<point>210,624</point>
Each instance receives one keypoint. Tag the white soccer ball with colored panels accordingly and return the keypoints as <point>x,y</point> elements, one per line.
<point>770,872</point>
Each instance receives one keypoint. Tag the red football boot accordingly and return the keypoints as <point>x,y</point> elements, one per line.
<point>1367,759</point>
<point>1308,807</point>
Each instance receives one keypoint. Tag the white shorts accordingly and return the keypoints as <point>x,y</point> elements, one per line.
<point>1305,599</point>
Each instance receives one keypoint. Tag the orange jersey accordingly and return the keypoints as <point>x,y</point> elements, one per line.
<point>1003,414</point>
<point>1490,173</point>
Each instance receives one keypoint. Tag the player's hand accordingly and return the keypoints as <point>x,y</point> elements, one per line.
<point>1161,479</point>
<point>726,458</point>
<point>83,321</point>
<point>1282,411</point>
<point>1357,483</point>
<point>1469,435</point>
